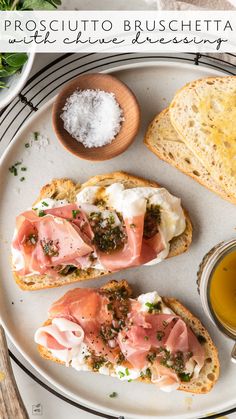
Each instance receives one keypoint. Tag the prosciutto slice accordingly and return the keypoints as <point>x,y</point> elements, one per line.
<point>89,309</point>
<point>60,334</point>
<point>136,251</point>
<point>44,242</point>
<point>157,331</point>
<point>64,236</point>
<point>79,316</point>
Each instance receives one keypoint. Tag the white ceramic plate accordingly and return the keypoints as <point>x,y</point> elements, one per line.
<point>213,220</point>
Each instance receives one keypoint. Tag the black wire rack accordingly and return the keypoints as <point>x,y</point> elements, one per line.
<point>45,84</point>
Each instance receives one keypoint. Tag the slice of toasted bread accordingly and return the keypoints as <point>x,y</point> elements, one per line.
<point>66,189</point>
<point>204,113</point>
<point>209,372</point>
<point>162,139</point>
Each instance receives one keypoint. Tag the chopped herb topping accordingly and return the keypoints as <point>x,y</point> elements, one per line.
<point>41,213</point>
<point>100,203</point>
<point>45,204</point>
<point>121,374</point>
<point>160,335</point>
<point>50,248</point>
<point>75,213</point>
<point>132,225</point>
<point>148,373</point>
<point>127,371</point>
<point>36,136</point>
<point>174,361</point>
<point>27,145</point>
<point>22,179</point>
<point>107,332</point>
<point>152,221</point>
<point>154,307</point>
<point>186,377</point>
<point>120,358</point>
<point>113,395</point>
<point>151,357</point>
<point>146,337</point>
<point>98,363</point>
<point>165,323</point>
<point>108,237</point>
<point>23,169</point>
<point>13,169</point>
<point>111,219</point>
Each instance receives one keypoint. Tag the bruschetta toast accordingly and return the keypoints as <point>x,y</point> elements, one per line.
<point>149,338</point>
<point>196,134</point>
<point>163,140</point>
<point>112,222</point>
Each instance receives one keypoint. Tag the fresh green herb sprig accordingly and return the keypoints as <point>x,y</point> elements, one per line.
<point>154,307</point>
<point>29,4</point>
<point>12,62</point>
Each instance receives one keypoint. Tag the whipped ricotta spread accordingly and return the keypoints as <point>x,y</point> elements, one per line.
<point>135,201</point>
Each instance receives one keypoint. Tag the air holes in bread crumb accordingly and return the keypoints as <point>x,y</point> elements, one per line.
<point>196,173</point>
<point>205,131</point>
<point>194,108</point>
<point>211,376</point>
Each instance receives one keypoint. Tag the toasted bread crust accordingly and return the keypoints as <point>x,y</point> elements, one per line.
<point>210,371</point>
<point>67,189</point>
<point>164,141</point>
<point>197,141</point>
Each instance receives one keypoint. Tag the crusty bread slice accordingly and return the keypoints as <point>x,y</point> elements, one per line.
<point>162,139</point>
<point>67,189</point>
<point>210,371</point>
<point>204,113</point>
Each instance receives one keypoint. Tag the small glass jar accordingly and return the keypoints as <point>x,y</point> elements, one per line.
<point>204,276</point>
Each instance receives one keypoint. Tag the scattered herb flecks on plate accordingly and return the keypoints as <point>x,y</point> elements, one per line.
<point>17,168</point>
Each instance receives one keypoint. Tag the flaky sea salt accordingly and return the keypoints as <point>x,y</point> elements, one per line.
<point>92,117</point>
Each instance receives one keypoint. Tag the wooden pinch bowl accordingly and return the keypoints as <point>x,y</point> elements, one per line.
<point>127,101</point>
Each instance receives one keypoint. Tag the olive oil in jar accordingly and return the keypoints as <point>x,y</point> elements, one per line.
<point>223,291</point>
